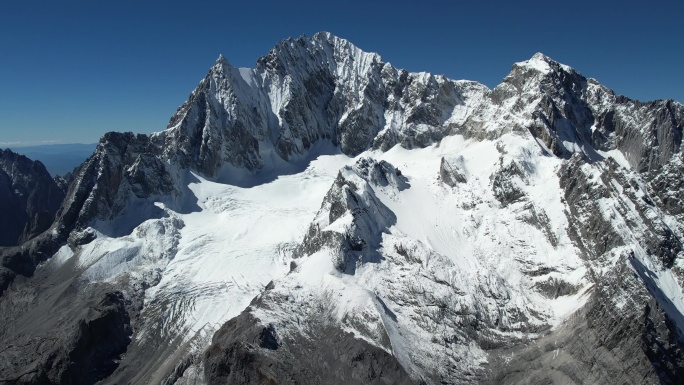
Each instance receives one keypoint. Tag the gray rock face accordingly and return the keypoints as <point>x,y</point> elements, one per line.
<point>593,233</point>
<point>597,234</point>
<point>352,195</point>
<point>29,198</point>
<point>122,165</point>
<point>504,183</point>
<point>122,168</point>
<point>640,342</point>
<point>636,345</point>
<point>666,186</point>
<point>29,201</point>
<point>245,352</point>
<point>303,91</point>
<point>70,336</point>
<point>648,134</point>
<point>451,172</point>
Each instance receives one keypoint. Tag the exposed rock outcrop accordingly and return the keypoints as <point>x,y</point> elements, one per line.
<point>29,198</point>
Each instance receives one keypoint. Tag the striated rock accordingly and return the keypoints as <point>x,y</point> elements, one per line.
<point>451,172</point>
<point>666,186</point>
<point>634,344</point>
<point>149,175</point>
<point>305,90</point>
<point>506,182</point>
<point>244,351</point>
<point>79,342</point>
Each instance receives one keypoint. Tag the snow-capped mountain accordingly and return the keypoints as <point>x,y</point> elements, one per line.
<point>327,218</point>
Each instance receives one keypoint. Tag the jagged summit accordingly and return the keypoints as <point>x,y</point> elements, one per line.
<point>318,40</point>
<point>540,56</point>
<point>322,87</point>
<point>326,35</point>
<point>221,67</point>
<point>221,60</point>
<point>543,64</point>
<point>322,51</point>
<point>306,90</point>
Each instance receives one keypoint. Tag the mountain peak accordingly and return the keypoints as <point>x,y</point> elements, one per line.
<point>322,39</point>
<point>325,35</point>
<point>538,62</point>
<point>221,60</point>
<point>331,38</point>
<point>543,64</point>
<point>323,50</point>
<point>541,56</point>
<point>220,64</point>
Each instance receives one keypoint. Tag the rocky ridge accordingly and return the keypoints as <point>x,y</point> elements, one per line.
<point>30,198</point>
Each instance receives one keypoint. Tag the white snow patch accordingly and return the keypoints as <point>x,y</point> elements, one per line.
<point>247,75</point>
<point>537,62</point>
<point>225,253</point>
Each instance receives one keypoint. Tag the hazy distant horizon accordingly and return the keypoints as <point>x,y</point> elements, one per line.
<point>58,158</point>
<point>12,145</point>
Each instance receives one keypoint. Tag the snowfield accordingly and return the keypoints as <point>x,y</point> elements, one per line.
<point>204,267</point>
<point>465,253</point>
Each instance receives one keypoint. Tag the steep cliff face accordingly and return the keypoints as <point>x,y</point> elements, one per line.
<point>71,336</point>
<point>112,184</point>
<point>29,198</point>
<point>306,90</point>
<point>29,201</point>
<point>532,232</point>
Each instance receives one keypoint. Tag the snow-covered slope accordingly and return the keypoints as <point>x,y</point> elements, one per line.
<point>413,264</point>
<point>327,218</point>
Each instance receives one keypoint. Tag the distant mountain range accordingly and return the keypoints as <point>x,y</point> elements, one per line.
<point>58,159</point>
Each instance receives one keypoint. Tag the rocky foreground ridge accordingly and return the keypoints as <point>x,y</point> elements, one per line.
<point>531,233</point>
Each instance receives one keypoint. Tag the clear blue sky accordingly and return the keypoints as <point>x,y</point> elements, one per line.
<point>73,70</point>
